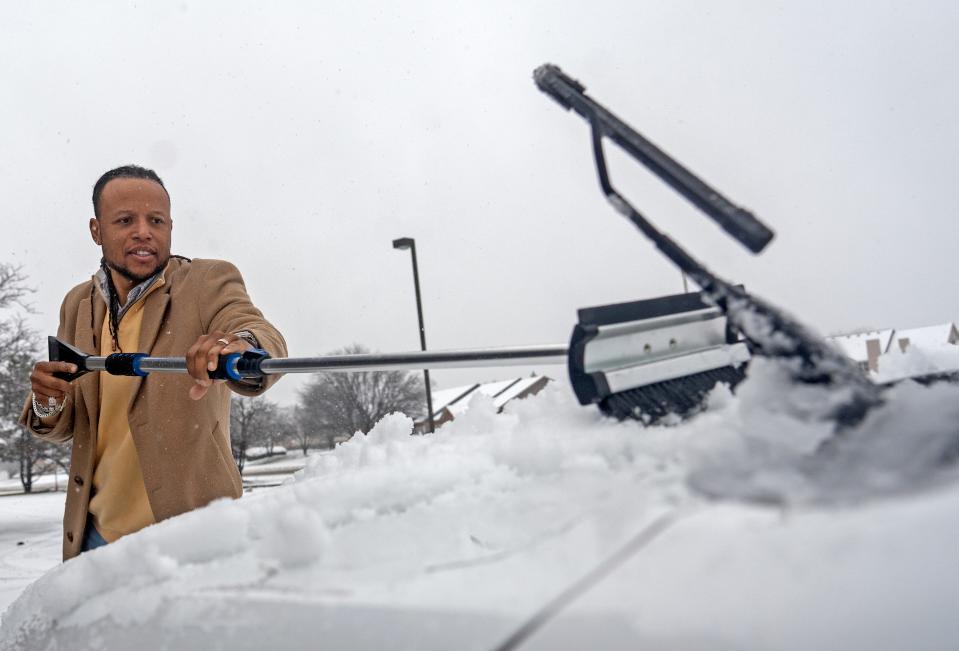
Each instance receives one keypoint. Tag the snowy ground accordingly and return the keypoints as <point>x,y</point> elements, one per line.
<point>30,540</point>
<point>41,484</point>
<point>30,525</point>
<point>750,526</point>
<point>269,472</point>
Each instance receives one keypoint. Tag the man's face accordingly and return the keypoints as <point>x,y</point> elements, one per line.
<point>134,227</point>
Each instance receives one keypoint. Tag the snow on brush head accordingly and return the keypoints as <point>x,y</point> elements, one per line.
<point>771,445</point>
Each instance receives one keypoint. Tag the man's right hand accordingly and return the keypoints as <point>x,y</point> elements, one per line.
<point>45,385</point>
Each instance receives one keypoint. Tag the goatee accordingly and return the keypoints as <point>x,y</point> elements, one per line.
<point>129,275</point>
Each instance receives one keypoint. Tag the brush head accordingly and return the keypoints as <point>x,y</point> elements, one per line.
<point>681,397</point>
<point>649,359</point>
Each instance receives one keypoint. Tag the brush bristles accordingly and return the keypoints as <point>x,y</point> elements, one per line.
<point>681,396</point>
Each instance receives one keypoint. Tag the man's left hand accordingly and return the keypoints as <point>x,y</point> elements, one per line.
<point>204,356</point>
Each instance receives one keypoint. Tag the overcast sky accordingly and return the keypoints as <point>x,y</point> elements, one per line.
<point>298,140</point>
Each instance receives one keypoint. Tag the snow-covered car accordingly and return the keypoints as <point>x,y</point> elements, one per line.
<point>752,525</point>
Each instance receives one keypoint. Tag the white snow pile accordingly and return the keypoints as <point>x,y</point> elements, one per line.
<point>753,525</point>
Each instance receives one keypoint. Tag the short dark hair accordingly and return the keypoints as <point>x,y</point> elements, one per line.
<point>123,172</point>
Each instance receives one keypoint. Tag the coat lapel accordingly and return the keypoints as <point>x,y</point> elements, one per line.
<point>154,310</point>
<point>87,342</point>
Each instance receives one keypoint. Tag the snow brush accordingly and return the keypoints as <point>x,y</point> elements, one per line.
<point>649,360</point>
<point>630,359</point>
<point>767,330</point>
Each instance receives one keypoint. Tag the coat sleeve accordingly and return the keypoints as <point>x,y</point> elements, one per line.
<point>60,429</point>
<point>225,306</point>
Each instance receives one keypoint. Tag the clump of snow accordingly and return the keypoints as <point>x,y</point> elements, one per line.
<point>299,536</point>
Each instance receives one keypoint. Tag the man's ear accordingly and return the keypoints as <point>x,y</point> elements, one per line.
<point>95,230</point>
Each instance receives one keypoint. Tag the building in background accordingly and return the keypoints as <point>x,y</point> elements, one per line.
<point>865,347</point>
<point>925,337</point>
<point>449,403</point>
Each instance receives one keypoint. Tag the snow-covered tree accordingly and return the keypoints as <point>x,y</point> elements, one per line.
<point>18,351</point>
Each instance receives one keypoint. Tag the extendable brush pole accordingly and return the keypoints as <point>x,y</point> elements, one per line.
<point>257,363</point>
<point>769,330</point>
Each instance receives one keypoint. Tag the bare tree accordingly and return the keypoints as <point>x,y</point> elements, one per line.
<point>250,418</point>
<point>276,428</point>
<point>13,286</point>
<point>333,404</point>
<point>18,349</point>
<point>301,432</point>
<point>34,456</point>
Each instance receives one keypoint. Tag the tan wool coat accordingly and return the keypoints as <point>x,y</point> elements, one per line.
<point>183,445</point>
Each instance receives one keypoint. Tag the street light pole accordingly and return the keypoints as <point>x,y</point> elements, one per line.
<point>409,243</point>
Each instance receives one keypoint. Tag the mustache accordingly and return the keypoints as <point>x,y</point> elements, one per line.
<point>134,277</point>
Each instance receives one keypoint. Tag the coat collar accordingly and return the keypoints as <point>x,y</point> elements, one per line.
<point>134,295</point>
<point>156,299</point>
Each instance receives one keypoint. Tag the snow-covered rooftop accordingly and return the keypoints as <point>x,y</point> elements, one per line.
<point>443,397</point>
<point>517,388</point>
<point>893,341</point>
<point>456,400</point>
<point>853,345</point>
<point>928,336</point>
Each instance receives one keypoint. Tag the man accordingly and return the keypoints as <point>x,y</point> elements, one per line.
<point>145,449</point>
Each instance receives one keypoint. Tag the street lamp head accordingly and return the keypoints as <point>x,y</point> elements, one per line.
<point>403,243</point>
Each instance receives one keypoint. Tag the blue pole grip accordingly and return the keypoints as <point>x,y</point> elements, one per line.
<point>237,366</point>
<point>124,364</point>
